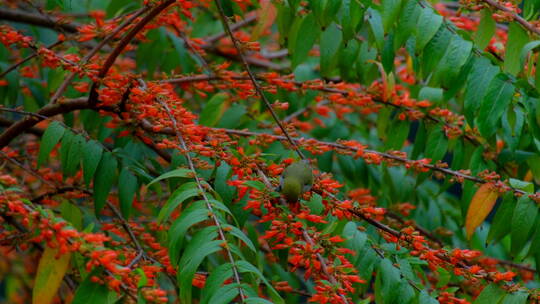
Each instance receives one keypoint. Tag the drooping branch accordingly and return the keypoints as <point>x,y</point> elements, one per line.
<point>47,111</point>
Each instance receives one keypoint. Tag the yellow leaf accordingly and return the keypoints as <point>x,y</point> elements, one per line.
<point>49,275</point>
<point>528,176</point>
<point>265,18</point>
<point>481,204</point>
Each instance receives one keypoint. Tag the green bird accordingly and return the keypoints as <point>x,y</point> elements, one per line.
<point>296,179</point>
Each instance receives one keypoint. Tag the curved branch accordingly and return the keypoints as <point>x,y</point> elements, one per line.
<point>31,120</point>
<point>122,44</point>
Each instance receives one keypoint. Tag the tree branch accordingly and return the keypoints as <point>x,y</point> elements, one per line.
<point>528,26</point>
<point>35,19</point>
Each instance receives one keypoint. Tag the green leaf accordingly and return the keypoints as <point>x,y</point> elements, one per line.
<point>329,46</point>
<point>201,245</point>
<point>399,131</point>
<point>407,21</point>
<point>240,235</point>
<point>330,12</point>
<point>498,97</point>
<point>315,204</point>
<point>49,275</point>
<point>347,56</point>
<point>456,56</point>
<point>257,301</point>
<point>491,294</point>
<point>104,180</point>
<point>226,294</point>
<point>444,277</point>
<point>186,191</point>
<point>428,24</point>
<point>435,50</point>
<point>90,292</point>
<point>180,172</point>
<point>193,214</point>
<point>244,266</point>
<point>219,205</point>
<point>481,75</point>
<point>390,10</point>
<point>486,29</point>
<point>74,154</point>
<point>184,58</point>
<point>67,140</point>
<point>255,184</point>
<point>213,110</point>
<point>225,191</point>
<point>127,186</point>
<point>119,6</point>
<point>215,280</point>
<point>351,15</point>
<point>517,39</point>
<point>303,34</point>
<point>232,118</point>
<point>390,278</point>
<point>526,49</point>
<point>376,26</point>
<point>434,95</point>
<point>499,226</point>
<point>425,298</point>
<point>522,223</point>
<point>50,138</point>
<point>72,214</point>
<point>519,184</point>
<point>531,9</point>
<point>91,154</point>
<point>437,144</point>
<point>284,20</point>
<point>537,75</point>
<point>518,297</point>
<point>534,250</point>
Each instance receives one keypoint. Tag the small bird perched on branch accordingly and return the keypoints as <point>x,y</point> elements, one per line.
<point>296,179</point>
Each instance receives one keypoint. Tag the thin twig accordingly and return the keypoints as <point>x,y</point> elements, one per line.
<point>47,111</point>
<point>132,236</point>
<point>249,19</point>
<point>30,171</point>
<point>256,85</point>
<point>28,58</point>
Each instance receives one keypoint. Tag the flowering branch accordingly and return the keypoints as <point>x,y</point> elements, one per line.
<point>61,89</point>
<point>92,99</point>
<point>530,27</point>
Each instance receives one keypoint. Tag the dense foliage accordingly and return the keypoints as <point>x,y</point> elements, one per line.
<point>142,144</point>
